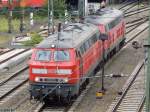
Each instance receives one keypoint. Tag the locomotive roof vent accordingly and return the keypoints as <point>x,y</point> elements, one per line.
<point>72,27</point>
<point>104,11</point>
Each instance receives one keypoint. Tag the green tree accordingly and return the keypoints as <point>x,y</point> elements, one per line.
<point>59,8</point>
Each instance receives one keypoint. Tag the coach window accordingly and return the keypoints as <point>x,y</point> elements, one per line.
<point>43,55</point>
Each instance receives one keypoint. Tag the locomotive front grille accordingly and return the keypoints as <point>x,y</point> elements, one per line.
<point>49,80</point>
<point>52,80</point>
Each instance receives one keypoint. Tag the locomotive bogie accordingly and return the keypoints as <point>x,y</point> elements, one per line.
<point>63,90</point>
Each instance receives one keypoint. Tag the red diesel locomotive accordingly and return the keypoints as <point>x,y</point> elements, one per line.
<point>58,66</point>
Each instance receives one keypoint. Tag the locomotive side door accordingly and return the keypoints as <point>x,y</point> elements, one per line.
<point>80,64</point>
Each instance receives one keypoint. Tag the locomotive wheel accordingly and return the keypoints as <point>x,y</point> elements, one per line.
<point>87,81</point>
<point>67,100</point>
<point>122,44</point>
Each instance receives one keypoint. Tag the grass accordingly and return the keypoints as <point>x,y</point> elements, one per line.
<point>4,39</point>
<point>4,24</point>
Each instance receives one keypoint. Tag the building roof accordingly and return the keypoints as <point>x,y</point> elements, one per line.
<point>72,36</point>
<point>103,16</point>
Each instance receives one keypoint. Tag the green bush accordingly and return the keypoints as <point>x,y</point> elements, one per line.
<point>35,39</point>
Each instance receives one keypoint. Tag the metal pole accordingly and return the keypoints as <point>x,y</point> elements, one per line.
<point>148,73</point>
<point>52,4</point>
<point>10,17</point>
<point>48,17</point>
<point>81,8</point>
<point>31,18</point>
<point>22,20</point>
<point>103,89</point>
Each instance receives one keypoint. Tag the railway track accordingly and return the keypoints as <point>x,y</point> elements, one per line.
<point>142,27</point>
<point>12,83</point>
<point>142,9</point>
<point>11,54</point>
<point>42,107</point>
<point>5,50</point>
<point>136,21</point>
<point>132,95</point>
<point>136,12</point>
<point>128,6</point>
<point>129,29</point>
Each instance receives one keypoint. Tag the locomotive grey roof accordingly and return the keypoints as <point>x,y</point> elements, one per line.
<point>103,16</point>
<point>71,36</point>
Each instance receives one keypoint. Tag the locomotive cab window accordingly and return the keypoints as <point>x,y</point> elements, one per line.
<point>61,55</point>
<point>43,55</point>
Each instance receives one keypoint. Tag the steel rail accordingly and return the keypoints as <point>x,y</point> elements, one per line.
<point>135,36</point>
<point>136,26</point>
<point>7,51</point>
<point>141,104</point>
<point>132,6</point>
<point>13,89</point>
<point>137,20</point>
<point>126,4</point>
<point>13,75</point>
<point>136,12</point>
<point>13,56</point>
<point>9,85</point>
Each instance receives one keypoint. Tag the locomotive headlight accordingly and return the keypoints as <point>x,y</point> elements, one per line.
<point>64,71</point>
<point>37,79</point>
<point>39,71</point>
<point>65,80</point>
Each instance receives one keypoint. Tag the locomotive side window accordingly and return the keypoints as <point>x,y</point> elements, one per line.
<point>94,38</point>
<point>78,53</point>
<point>114,22</point>
<point>43,55</point>
<point>82,49</point>
<point>61,55</point>
<point>90,42</point>
<point>86,45</point>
